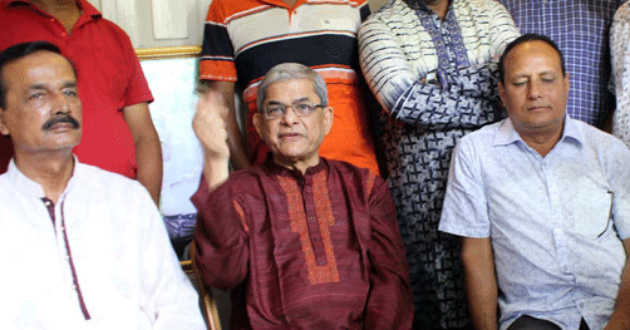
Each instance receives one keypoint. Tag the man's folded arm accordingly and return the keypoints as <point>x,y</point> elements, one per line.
<point>463,97</point>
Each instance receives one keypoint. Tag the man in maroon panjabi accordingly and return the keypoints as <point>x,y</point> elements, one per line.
<point>303,242</point>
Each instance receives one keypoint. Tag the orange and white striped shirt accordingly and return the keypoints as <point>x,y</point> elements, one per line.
<point>243,39</point>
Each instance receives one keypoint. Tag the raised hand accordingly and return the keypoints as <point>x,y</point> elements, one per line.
<point>210,128</point>
<point>209,125</point>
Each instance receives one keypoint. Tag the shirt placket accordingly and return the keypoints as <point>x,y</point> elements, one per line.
<point>312,221</point>
<point>59,223</point>
<point>446,37</point>
<point>63,37</point>
<point>557,214</point>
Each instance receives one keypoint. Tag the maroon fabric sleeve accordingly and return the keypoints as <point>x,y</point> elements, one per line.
<point>221,241</point>
<point>390,304</point>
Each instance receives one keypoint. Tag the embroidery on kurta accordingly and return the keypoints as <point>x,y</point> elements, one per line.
<point>317,274</point>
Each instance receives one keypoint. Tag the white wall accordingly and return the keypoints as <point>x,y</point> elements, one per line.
<point>157,23</point>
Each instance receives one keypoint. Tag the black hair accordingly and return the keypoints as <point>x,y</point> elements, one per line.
<point>17,52</point>
<point>527,38</point>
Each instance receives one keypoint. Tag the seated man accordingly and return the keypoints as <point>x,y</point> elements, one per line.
<point>81,247</point>
<point>544,200</point>
<point>306,242</point>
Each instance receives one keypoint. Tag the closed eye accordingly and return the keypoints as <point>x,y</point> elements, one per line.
<point>71,92</point>
<point>35,96</point>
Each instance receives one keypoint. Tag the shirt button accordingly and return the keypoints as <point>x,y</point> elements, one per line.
<point>557,231</point>
<point>73,287</point>
<point>316,239</point>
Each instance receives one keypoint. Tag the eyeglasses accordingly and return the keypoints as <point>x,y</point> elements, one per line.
<point>301,109</point>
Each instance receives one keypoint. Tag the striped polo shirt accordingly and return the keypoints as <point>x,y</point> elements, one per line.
<point>243,39</point>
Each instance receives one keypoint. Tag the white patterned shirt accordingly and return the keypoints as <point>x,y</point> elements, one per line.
<point>435,79</point>
<point>98,259</point>
<point>620,52</point>
<point>396,50</point>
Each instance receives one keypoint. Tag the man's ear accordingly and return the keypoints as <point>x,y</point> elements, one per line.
<point>501,92</point>
<point>258,122</point>
<point>329,116</point>
<point>4,130</point>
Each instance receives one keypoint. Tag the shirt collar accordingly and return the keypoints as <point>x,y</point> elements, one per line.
<point>276,169</point>
<point>25,185</point>
<point>280,3</point>
<point>507,134</point>
<point>572,130</point>
<point>419,5</point>
<point>87,9</point>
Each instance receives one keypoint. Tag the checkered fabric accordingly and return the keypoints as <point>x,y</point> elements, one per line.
<point>581,30</point>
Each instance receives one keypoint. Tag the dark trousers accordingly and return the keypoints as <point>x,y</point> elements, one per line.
<point>527,322</point>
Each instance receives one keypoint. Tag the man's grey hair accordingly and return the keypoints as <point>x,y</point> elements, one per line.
<point>288,71</point>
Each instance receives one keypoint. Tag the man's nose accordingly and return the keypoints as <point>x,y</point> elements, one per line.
<point>289,117</point>
<point>61,103</point>
<point>534,90</point>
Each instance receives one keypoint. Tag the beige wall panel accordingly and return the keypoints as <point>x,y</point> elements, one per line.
<point>375,4</point>
<point>170,20</point>
<point>96,3</point>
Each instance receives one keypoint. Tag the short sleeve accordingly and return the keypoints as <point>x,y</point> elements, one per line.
<point>364,9</point>
<point>138,89</point>
<point>217,52</point>
<point>465,210</point>
<point>618,172</point>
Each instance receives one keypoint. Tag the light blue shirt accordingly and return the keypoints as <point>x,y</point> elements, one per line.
<point>555,222</point>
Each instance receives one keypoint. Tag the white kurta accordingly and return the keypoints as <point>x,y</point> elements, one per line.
<point>127,273</point>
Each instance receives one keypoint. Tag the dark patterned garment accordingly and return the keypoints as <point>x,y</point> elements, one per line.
<point>436,83</point>
<point>315,251</point>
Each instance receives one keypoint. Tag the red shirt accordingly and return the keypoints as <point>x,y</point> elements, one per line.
<point>314,251</point>
<point>109,78</point>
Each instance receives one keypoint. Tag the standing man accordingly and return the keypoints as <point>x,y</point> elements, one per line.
<point>119,135</point>
<point>83,248</point>
<point>429,65</point>
<point>542,202</point>
<point>581,30</point>
<point>243,39</point>
<point>304,242</point>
